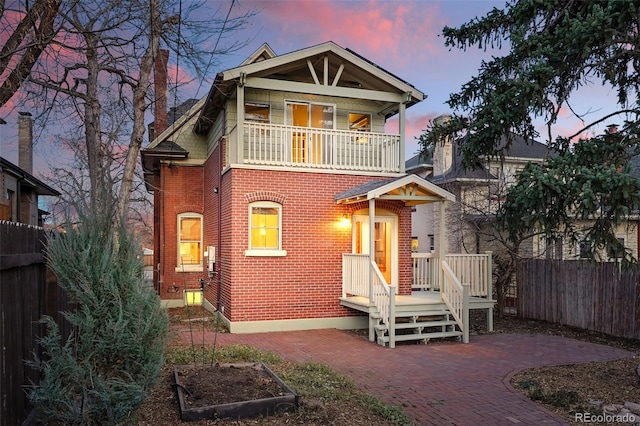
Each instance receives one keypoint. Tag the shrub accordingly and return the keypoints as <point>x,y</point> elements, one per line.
<point>103,372</point>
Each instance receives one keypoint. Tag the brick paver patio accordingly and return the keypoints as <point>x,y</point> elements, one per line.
<point>440,383</point>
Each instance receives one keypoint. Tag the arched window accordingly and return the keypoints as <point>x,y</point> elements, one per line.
<point>265,229</point>
<point>189,242</point>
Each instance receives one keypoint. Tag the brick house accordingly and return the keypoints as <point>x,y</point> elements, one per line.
<point>264,191</point>
<point>20,190</point>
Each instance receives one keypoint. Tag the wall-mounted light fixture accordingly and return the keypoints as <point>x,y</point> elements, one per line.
<point>215,190</point>
<point>345,221</point>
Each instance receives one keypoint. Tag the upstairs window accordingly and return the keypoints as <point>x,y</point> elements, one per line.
<point>359,122</point>
<point>189,241</point>
<point>256,112</point>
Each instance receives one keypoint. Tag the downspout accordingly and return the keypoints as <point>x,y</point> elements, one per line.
<point>19,199</point>
<point>219,250</point>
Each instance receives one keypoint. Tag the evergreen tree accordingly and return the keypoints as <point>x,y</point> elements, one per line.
<point>104,371</point>
<point>555,47</point>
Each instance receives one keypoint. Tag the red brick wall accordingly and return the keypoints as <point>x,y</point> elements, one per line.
<point>307,282</point>
<point>182,191</point>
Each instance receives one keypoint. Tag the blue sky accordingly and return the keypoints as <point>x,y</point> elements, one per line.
<point>401,36</point>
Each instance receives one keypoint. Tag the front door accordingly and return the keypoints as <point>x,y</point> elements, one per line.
<point>385,235</point>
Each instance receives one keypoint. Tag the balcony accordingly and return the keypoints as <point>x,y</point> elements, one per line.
<point>310,148</point>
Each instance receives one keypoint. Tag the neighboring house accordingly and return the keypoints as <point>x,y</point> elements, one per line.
<point>19,189</point>
<point>479,192</point>
<point>264,192</point>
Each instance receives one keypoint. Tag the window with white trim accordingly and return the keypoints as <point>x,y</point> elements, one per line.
<point>189,242</point>
<point>360,122</point>
<point>265,229</point>
<point>256,112</point>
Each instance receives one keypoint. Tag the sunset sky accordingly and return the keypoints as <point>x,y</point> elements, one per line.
<point>402,37</point>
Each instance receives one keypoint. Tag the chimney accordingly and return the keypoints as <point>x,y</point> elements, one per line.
<point>612,128</point>
<point>25,142</point>
<point>160,87</point>
<point>442,151</point>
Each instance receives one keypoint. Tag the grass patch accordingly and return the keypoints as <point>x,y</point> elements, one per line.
<point>226,353</point>
<point>561,398</point>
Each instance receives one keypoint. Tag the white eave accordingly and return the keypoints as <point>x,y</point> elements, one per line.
<point>411,189</point>
<point>302,54</point>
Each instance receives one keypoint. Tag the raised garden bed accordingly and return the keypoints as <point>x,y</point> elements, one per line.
<point>231,390</point>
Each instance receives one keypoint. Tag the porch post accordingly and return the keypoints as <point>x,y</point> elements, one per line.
<point>239,151</point>
<point>372,243</point>
<point>442,243</point>
<point>402,128</point>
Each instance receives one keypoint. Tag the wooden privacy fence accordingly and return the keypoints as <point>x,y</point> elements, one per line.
<point>593,296</point>
<point>28,290</point>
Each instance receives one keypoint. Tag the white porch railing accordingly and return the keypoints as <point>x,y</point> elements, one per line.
<point>472,269</point>
<point>279,145</point>
<point>355,274</point>
<point>425,271</point>
<point>383,297</point>
<point>456,296</point>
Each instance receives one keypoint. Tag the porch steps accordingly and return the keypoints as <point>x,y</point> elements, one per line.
<point>417,325</point>
<point>382,340</point>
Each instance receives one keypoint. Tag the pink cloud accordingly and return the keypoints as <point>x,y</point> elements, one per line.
<point>380,30</point>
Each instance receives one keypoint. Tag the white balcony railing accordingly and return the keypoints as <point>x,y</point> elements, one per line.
<point>279,145</point>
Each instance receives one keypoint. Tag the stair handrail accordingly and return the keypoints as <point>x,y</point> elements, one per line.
<point>456,296</point>
<point>383,296</point>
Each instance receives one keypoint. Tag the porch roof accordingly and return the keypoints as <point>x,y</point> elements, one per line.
<point>411,189</point>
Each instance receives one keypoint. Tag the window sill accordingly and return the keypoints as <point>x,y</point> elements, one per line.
<point>265,253</point>
<point>189,268</point>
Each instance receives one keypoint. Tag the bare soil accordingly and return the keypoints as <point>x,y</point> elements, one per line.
<point>576,388</point>
<point>161,407</point>
<point>217,384</point>
<point>563,389</point>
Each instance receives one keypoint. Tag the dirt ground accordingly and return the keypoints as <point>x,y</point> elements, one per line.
<point>579,388</point>
<point>563,389</point>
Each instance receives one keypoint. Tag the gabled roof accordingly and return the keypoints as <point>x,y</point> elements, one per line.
<point>340,72</point>
<point>417,163</point>
<point>520,149</point>
<point>264,52</point>
<point>28,179</point>
<point>411,189</point>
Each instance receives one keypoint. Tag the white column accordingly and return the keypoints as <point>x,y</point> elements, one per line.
<point>240,124</point>
<point>372,218</point>
<point>402,128</point>
<point>372,242</point>
<point>442,243</point>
